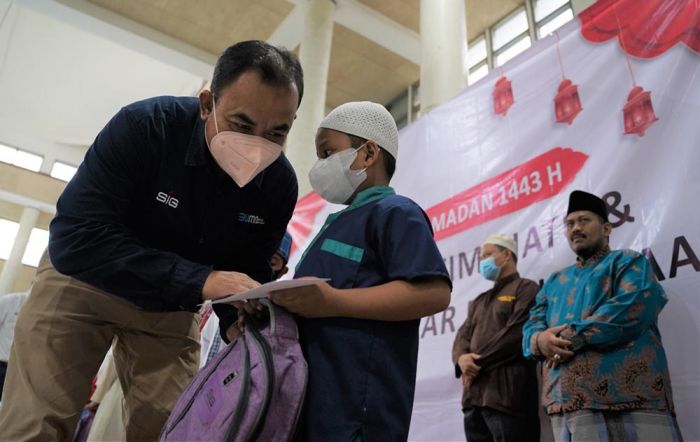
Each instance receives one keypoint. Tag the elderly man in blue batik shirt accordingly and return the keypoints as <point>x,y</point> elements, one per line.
<point>595,325</point>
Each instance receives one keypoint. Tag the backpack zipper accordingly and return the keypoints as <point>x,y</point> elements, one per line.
<point>242,403</point>
<point>266,356</point>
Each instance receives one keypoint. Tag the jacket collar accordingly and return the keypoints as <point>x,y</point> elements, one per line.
<point>505,281</point>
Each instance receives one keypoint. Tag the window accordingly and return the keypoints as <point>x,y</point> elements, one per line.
<point>38,240</point>
<point>512,50</point>
<point>20,158</point>
<point>555,23</point>
<point>63,171</point>
<point>506,39</point>
<point>8,233</point>
<point>550,15</point>
<point>544,8</point>
<point>510,29</point>
<point>511,37</point>
<point>477,60</point>
<point>476,52</point>
<point>478,73</point>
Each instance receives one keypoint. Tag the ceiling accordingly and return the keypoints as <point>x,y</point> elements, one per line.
<point>66,66</point>
<point>360,69</point>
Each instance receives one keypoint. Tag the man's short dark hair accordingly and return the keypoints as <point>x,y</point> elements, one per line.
<point>513,255</point>
<point>389,160</point>
<point>276,66</point>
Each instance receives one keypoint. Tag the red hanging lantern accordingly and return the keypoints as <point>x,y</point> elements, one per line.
<point>638,112</point>
<point>502,96</point>
<point>567,103</point>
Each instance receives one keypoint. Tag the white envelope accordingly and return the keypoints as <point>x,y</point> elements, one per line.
<point>264,290</point>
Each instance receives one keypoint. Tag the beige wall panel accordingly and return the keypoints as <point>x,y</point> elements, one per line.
<point>480,13</point>
<point>13,212</point>
<point>362,70</point>
<point>24,277</point>
<point>404,12</point>
<point>33,185</point>
<point>211,25</point>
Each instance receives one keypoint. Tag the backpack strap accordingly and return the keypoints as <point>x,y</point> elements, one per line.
<point>282,323</point>
<point>265,354</point>
<point>242,404</point>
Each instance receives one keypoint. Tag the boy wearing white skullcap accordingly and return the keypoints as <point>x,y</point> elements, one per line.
<point>359,331</point>
<point>499,386</point>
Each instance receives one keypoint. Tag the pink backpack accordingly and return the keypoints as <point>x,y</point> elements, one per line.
<point>252,390</point>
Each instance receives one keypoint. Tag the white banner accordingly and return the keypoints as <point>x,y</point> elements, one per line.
<point>485,163</point>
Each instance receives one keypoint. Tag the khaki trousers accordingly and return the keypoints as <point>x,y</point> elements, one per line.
<point>62,335</point>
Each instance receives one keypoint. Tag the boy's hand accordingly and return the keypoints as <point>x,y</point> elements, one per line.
<point>252,307</point>
<point>314,301</point>
<point>236,329</point>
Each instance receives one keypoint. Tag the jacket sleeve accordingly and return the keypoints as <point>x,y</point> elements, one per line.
<point>537,322</point>
<point>88,236</point>
<point>504,346</point>
<point>462,341</point>
<point>633,307</point>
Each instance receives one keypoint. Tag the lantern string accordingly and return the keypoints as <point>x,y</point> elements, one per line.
<point>624,49</point>
<point>561,65</point>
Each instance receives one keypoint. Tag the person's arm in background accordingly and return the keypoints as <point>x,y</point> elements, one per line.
<point>461,345</point>
<point>536,324</point>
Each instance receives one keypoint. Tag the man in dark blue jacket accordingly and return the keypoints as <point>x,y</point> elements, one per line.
<point>178,201</point>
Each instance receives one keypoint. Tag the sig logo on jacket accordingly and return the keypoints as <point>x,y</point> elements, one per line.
<point>167,199</point>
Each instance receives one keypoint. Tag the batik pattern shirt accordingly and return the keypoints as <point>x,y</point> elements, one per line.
<point>610,304</point>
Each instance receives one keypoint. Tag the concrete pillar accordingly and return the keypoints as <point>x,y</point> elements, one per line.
<point>47,164</point>
<point>30,215</point>
<point>315,55</point>
<point>443,33</point>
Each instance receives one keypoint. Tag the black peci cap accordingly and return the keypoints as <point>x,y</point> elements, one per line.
<point>580,200</point>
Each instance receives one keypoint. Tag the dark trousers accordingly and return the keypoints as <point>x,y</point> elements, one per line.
<point>3,370</point>
<point>483,424</point>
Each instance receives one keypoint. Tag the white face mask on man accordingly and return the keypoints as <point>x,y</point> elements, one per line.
<point>242,156</point>
<point>333,179</point>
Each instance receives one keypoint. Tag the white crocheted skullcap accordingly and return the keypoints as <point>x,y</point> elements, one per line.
<point>503,241</point>
<point>367,120</point>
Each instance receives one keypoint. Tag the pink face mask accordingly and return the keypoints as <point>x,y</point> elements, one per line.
<point>242,156</point>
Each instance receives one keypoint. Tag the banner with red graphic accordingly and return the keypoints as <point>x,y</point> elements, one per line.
<point>517,188</point>
<point>608,104</point>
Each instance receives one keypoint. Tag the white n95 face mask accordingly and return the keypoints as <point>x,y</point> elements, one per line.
<point>333,179</point>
